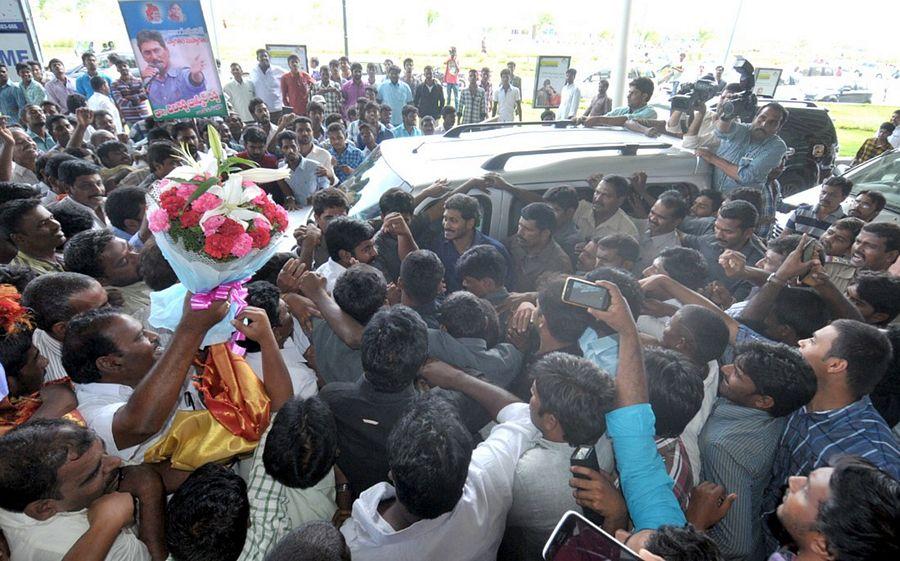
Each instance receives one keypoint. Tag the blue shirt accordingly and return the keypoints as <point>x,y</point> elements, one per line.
<point>448,255</point>
<point>351,156</point>
<point>401,132</point>
<point>12,100</point>
<point>602,351</point>
<point>175,85</point>
<point>303,180</point>
<point>83,85</point>
<point>384,133</point>
<point>642,472</point>
<point>396,95</point>
<point>645,112</point>
<point>754,159</point>
<point>43,144</point>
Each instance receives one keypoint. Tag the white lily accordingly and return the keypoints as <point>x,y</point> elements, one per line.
<point>207,166</point>
<point>265,175</point>
<point>234,196</point>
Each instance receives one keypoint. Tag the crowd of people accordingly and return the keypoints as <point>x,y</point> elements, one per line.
<point>428,384</point>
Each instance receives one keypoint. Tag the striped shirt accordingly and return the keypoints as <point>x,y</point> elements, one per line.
<point>737,448</point>
<point>803,220</point>
<point>131,100</point>
<point>812,438</point>
<point>678,467</point>
<point>51,349</point>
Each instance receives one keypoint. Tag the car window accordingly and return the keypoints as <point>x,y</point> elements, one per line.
<point>378,176</point>
<point>881,175</point>
<point>487,209</point>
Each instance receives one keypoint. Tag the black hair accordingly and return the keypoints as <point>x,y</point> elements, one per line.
<point>360,291</point>
<point>785,244</point>
<point>840,181</point>
<point>254,103</point>
<point>285,135</point>
<point>147,35</point>
<point>71,170</point>
<point>314,106</point>
<point>881,291</point>
<point>313,541</point>
<point>183,126</point>
<point>673,200</point>
<point>82,252</point>
<point>482,262</point>
<point>87,340</point>
<point>675,386</point>
<point>876,196</point>
<point>778,371</point>
<point>13,212</point>
<point>859,520</point>
<point>271,269</point>
<point>124,203</point>
<point>159,152</point>
<point>625,246</point>
<point>84,154</point>
<point>32,454</point>
<point>563,196</point>
<point>564,321</point>
<point>429,451</point>
<point>48,297</point>
<point>72,219</point>
<point>302,444</point>
<point>155,270</point>
<point>254,134</point>
<point>448,110</point>
<point>329,198</point>
<point>685,265</point>
<point>97,82</point>
<point>577,392</point>
<point>683,543</point>
<point>462,315</point>
<point>207,517</point>
<point>393,349</point>
<point>157,135</point>
<point>492,323</point>
<point>15,342</point>
<point>709,333</point>
<point>619,183</point>
<point>421,273</point>
<point>542,215</point>
<point>886,395</point>
<point>18,276</point>
<point>801,309</point>
<point>751,195</point>
<point>395,199</point>
<point>263,295</point>
<point>628,286</point>
<point>345,233</point>
<point>466,205</point>
<point>643,85</point>
<point>785,115</point>
<point>867,351</point>
<point>51,169</point>
<point>888,231</point>
<point>742,211</point>
<point>336,128</point>
<point>714,196</point>
<point>104,150</point>
<point>53,119</point>
<point>74,101</point>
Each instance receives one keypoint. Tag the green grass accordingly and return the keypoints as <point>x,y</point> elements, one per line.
<point>855,122</point>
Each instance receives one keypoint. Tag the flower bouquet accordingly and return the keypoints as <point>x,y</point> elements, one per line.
<point>216,228</point>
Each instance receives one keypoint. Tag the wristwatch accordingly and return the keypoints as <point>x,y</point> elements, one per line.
<point>774,279</point>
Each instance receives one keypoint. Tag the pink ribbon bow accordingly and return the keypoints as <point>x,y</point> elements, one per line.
<point>233,291</point>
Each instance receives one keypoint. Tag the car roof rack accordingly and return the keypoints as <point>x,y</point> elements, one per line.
<point>456,131</point>
<point>498,162</point>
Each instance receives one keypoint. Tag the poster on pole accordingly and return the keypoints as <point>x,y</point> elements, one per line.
<point>549,78</point>
<point>172,50</point>
<point>279,54</point>
<point>18,40</point>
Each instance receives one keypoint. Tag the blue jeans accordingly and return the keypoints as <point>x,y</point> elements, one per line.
<point>454,89</point>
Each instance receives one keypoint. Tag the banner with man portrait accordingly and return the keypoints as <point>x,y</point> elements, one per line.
<point>549,78</point>
<point>174,55</point>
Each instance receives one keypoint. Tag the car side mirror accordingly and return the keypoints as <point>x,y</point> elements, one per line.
<point>840,170</point>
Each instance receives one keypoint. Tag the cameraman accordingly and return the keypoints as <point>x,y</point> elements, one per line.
<point>746,153</point>
<point>701,131</point>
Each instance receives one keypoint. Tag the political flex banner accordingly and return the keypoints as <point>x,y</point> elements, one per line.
<point>173,52</point>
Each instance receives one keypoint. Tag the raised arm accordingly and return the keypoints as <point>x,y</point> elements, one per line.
<point>663,288</point>
<point>345,327</point>
<point>492,398</point>
<point>276,378</point>
<point>6,153</point>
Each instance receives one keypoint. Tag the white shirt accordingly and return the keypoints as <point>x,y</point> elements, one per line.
<point>98,223</point>
<point>473,529</point>
<point>322,157</point>
<point>303,378</point>
<point>239,96</point>
<point>21,174</point>
<point>331,270</point>
<point>51,349</point>
<point>50,540</point>
<point>894,139</point>
<point>268,86</point>
<point>569,98</point>
<point>506,102</point>
<point>692,431</point>
<point>100,101</point>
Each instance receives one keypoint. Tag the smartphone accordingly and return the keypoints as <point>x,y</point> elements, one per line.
<point>575,537</point>
<point>579,292</point>
<point>586,456</point>
<point>809,252</point>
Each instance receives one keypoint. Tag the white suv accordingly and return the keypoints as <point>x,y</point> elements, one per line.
<point>531,156</point>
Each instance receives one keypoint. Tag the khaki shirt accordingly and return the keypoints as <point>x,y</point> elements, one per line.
<point>618,223</point>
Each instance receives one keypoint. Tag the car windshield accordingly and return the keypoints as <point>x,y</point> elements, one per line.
<point>370,180</point>
<point>883,175</point>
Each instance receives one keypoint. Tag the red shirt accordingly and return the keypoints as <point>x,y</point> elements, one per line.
<point>295,91</point>
<point>267,161</point>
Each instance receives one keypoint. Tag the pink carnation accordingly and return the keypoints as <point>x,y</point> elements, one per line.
<point>205,202</point>
<point>211,224</point>
<point>261,199</point>
<point>185,190</point>
<point>261,224</point>
<point>159,221</point>
<point>247,183</point>
<point>243,243</point>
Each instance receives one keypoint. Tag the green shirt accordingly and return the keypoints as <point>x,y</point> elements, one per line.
<point>39,266</point>
<point>645,112</point>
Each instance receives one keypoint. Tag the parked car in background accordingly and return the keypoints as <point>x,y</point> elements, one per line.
<point>106,66</point>
<point>851,93</point>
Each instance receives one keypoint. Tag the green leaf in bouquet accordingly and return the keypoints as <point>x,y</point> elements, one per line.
<point>215,142</point>
<point>233,161</point>
<point>202,187</point>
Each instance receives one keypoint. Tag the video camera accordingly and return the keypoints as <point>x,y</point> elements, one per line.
<point>690,96</point>
<point>741,105</point>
